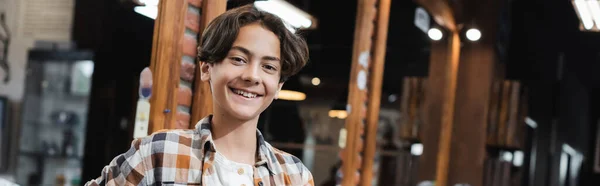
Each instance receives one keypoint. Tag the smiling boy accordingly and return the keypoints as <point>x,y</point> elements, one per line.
<point>246,56</point>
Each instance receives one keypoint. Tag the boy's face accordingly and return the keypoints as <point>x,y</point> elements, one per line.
<point>245,83</point>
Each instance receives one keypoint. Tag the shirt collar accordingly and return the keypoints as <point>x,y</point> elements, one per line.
<point>264,154</point>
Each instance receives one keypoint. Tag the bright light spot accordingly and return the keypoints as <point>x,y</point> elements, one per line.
<point>86,67</point>
<point>595,9</point>
<point>584,14</point>
<point>286,11</point>
<point>435,34</point>
<point>332,114</point>
<point>291,95</point>
<point>507,156</point>
<point>518,158</point>
<point>148,11</point>
<point>315,81</point>
<point>564,164</point>
<point>416,149</point>
<point>531,122</point>
<point>341,114</point>
<point>473,34</point>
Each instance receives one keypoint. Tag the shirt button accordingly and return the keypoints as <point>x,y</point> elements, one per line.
<point>240,171</point>
<point>243,184</point>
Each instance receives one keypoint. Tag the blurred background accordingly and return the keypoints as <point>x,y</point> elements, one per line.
<point>69,79</point>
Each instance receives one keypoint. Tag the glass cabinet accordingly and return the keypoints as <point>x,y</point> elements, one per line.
<point>53,117</point>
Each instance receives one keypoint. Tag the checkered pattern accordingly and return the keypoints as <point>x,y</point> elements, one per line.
<point>186,157</point>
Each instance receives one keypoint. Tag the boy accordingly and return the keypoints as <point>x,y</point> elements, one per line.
<point>246,56</point>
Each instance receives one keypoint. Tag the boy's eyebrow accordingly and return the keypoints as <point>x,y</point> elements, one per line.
<point>247,52</point>
<point>242,49</point>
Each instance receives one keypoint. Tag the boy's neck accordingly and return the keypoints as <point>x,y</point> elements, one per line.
<point>235,139</point>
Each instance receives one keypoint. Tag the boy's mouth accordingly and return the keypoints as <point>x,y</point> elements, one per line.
<point>244,93</point>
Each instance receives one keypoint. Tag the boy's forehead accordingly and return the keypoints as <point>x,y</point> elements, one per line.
<point>257,40</point>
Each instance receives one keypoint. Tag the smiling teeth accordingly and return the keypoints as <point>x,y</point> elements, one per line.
<point>245,94</point>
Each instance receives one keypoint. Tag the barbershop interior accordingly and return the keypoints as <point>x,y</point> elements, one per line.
<point>395,92</point>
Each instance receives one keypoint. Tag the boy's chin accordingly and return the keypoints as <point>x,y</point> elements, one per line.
<point>244,115</point>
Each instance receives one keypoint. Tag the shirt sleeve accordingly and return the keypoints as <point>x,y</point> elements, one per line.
<point>125,169</point>
<point>307,177</point>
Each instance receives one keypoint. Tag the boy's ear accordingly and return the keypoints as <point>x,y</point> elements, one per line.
<point>205,71</point>
<point>278,89</point>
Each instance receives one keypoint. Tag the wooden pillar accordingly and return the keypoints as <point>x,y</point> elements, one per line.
<point>374,91</point>
<point>473,85</point>
<point>357,95</point>
<point>439,109</point>
<point>202,98</point>
<point>440,95</point>
<point>165,63</point>
<point>179,98</point>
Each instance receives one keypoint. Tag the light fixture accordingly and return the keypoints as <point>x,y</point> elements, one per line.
<point>473,34</point>
<point>293,16</point>
<point>585,16</point>
<point>315,81</point>
<point>435,34</point>
<point>530,122</point>
<point>518,158</point>
<point>416,149</point>
<point>291,95</point>
<point>148,11</point>
<point>595,10</point>
<point>507,156</point>
<point>341,114</point>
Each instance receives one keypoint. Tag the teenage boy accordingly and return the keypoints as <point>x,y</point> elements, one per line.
<point>246,56</point>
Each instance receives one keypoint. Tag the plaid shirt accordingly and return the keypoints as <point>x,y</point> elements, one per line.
<point>186,157</point>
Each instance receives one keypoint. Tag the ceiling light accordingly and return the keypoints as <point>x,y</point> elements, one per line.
<point>291,95</point>
<point>435,34</point>
<point>584,14</point>
<point>289,13</point>
<point>595,11</point>
<point>315,81</point>
<point>148,11</point>
<point>473,34</point>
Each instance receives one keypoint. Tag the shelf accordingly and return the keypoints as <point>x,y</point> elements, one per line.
<point>39,154</point>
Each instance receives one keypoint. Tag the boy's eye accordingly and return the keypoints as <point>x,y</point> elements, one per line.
<point>270,67</point>
<point>237,59</point>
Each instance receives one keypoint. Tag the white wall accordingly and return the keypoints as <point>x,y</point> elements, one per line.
<point>15,11</point>
<point>17,52</point>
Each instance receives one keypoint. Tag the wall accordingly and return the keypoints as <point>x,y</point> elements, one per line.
<point>17,52</point>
